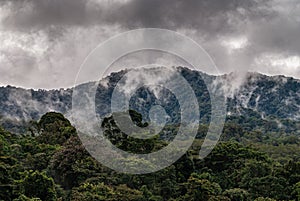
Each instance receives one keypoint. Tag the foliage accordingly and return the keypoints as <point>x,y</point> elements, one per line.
<point>52,164</point>
<point>35,184</point>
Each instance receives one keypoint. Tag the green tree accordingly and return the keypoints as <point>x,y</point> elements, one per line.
<point>88,191</point>
<point>25,198</point>
<point>72,164</point>
<point>201,189</point>
<point>54,129</point>
<point>264,199</point>
<point>237,194</point>
<point>36,184</point>
<point>296,191</point>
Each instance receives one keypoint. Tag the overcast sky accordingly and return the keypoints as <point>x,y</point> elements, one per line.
<point>43,42</point>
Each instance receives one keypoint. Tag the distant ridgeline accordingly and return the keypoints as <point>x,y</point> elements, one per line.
<point>256,102</point>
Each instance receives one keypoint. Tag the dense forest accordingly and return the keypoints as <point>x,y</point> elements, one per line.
<point>48,162</point>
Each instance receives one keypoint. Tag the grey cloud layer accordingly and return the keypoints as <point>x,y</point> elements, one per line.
<point>66,30</point>
<point>206,15</point>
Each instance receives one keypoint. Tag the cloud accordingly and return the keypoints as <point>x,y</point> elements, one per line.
<point>210,16</point>
<point>36,61</point>
<point>44,42</point>
<point>28,14</point>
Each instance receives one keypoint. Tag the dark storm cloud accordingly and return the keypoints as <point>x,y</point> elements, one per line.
<point>30,14</point>
<point>48,36</point>
<point>276,35</point>
<point>210,18</point>
<point>206,15</point>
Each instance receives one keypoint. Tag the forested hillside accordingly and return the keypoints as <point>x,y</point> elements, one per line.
<point>49,163</point>
<point>270,99</point>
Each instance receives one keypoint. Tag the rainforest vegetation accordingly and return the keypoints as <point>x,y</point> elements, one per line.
<point>48,162</point>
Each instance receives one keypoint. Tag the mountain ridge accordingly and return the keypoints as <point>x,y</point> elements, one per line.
<point>271,97</point>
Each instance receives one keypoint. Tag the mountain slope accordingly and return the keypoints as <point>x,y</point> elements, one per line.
<point>269,98</point>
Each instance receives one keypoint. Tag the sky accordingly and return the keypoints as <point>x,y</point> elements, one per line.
<point>44,42</point>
